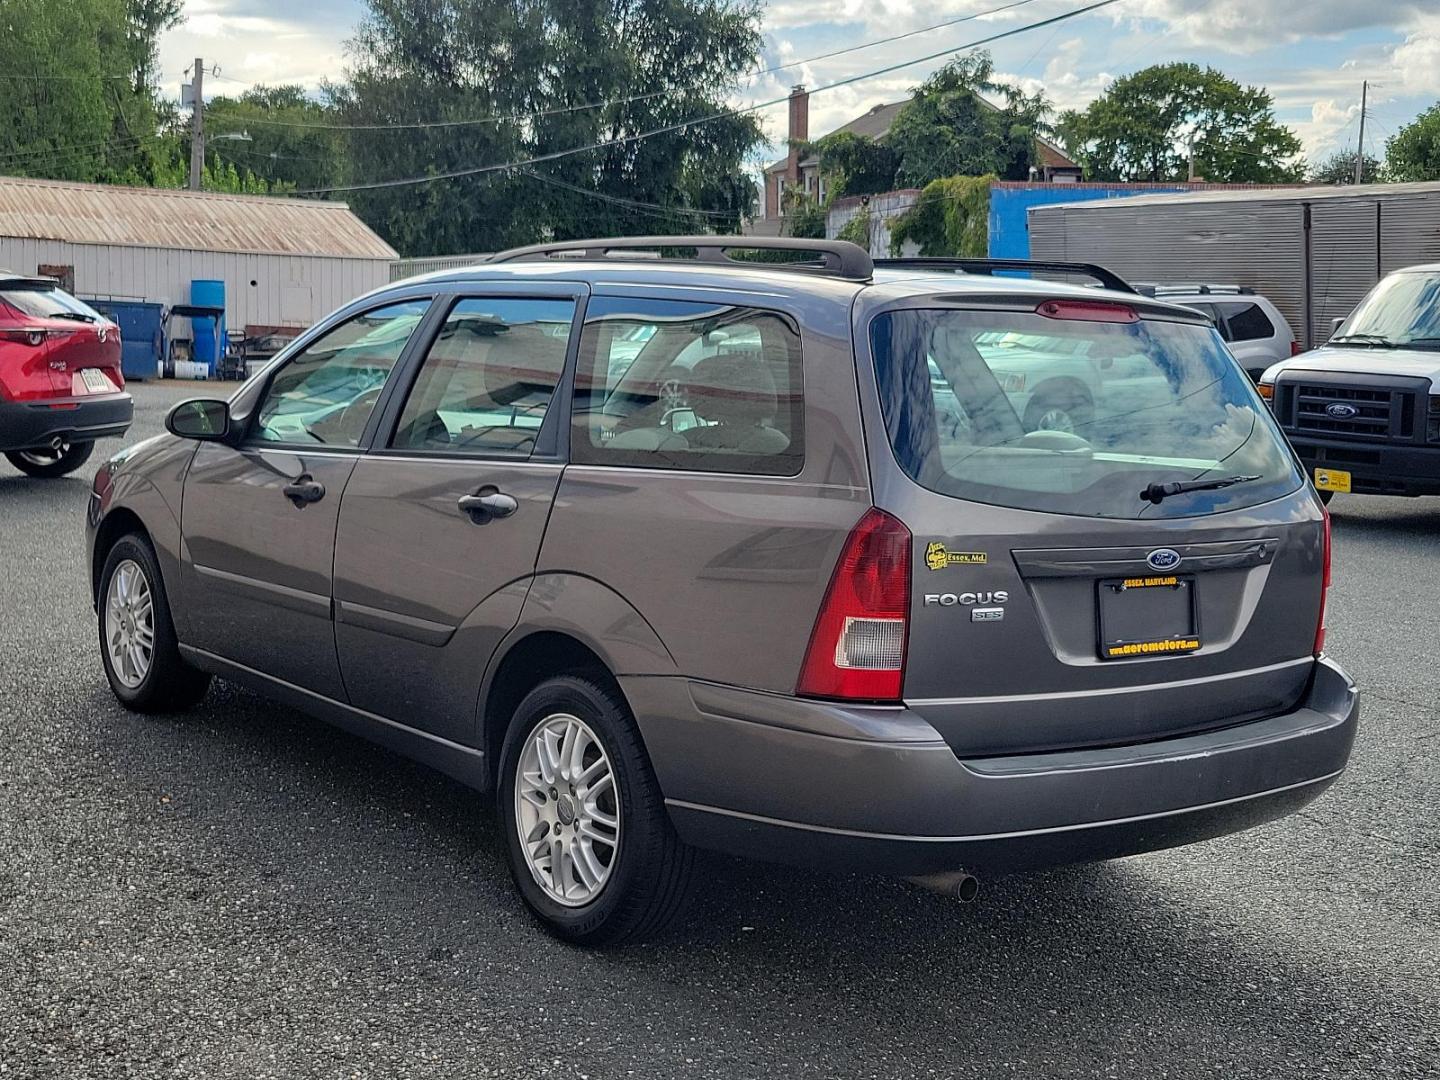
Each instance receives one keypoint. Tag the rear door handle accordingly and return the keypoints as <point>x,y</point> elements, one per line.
<point>488,502</point>
<point>304,489</point>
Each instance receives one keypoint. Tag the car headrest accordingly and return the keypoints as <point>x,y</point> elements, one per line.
<point>736,388</point>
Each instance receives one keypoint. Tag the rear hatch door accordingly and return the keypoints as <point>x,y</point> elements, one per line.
<point>1063,595</point>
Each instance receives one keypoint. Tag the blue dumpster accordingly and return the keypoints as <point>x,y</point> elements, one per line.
<point>208,337</point>
<point>142,334</point>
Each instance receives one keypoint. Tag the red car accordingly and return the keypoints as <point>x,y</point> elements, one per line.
<point>61,387</point>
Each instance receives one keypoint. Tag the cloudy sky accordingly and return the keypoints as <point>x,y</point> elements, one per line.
<point>1311,54</point>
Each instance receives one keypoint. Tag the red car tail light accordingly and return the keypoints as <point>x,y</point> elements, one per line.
<point>857,649</point>
<point>23,336</point>
<point>1295,349</point>
<point>1324,588</point>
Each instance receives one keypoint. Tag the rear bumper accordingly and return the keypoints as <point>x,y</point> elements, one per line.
<point>1375,468</point>
<point>34,425</point>
<point>878,790</point>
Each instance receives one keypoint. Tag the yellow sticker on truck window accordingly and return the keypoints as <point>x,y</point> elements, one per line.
<point>938,557</point>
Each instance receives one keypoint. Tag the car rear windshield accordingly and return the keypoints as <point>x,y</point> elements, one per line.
<point>44,302</point>
<point>1075,416</point>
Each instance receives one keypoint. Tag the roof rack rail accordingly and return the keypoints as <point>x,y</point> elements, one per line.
<point>1171,288</point>
<point>1107,278</point>
<point>835,258</point>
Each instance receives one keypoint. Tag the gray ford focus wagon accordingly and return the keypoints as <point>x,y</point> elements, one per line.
<point>901,566</point>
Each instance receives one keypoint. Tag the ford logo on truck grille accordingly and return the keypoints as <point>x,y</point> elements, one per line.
<point>1163,559</point>
<point>1341,411</point>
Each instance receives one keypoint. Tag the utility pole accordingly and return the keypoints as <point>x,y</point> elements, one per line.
<point>197,124</point>
<point>1191,177</point>
<point>1360,150</point>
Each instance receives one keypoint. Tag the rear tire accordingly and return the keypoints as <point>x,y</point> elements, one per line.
<point>643,876</point>
<point>137,637</point>
<point>47,464</point>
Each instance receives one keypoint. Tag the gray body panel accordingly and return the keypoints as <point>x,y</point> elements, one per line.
<point>698,593</point>
<point>424,594</point>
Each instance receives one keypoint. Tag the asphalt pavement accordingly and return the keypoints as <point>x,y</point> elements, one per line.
<point>243,892</point>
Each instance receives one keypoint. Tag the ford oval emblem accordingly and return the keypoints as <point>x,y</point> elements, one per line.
<point>1163,559</point>
<point>1341,411</point>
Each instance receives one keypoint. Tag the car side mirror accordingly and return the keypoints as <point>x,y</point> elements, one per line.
<point>1336,323</point>
<point>206,419</point>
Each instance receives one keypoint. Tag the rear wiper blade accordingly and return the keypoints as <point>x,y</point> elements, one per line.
<point>1158,493</point>
<point>75,315</point>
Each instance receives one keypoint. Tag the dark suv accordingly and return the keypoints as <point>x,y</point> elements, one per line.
<point>669,548</point>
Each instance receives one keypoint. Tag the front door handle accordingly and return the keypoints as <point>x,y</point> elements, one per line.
<point>488,502</point>
<point>304,489</point>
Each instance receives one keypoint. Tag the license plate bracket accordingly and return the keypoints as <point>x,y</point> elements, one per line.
<point>1146,616</point>
<point>95,381</point>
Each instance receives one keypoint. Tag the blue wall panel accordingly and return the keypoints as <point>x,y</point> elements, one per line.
<point>1009,236</point>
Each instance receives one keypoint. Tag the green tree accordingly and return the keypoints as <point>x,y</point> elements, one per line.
<point>539,67</point>
<point>290,139</point>
<point>1140,128</point>
<point>1339,168</point>
<point>1414,152</point>
<point>145,21</point>
<point>948,128</point>
<point>854,164</point>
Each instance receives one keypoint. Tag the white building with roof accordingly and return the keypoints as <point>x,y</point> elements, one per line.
<point>285,262</point>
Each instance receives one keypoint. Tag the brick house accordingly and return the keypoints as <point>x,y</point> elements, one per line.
<point>792,171</point>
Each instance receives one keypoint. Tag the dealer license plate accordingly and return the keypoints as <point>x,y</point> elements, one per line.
<point>95,381</point>
<point>1147,616</point>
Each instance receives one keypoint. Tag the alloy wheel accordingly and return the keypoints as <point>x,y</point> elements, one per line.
<point>130,624</point>
<point>567,810</point>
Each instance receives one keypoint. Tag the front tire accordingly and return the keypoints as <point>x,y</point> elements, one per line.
<point>1059,410</point>
<point>48,464</point>
<point>587,837</point>
<point>137,637</point>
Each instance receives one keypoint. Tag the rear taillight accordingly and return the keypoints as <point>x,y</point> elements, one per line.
<point>1295,349</point>
<point>23,336</point>
<point>857,649</point>
<point>1088,311</point>
<point>1324,587</point>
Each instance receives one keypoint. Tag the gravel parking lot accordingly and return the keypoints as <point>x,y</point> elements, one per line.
<point>246,893</point>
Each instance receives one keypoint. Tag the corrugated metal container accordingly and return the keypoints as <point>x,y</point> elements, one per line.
<point>1314,252</point>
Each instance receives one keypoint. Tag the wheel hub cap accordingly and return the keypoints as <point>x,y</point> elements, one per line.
<point>567,810</point>
<point>129,624</point>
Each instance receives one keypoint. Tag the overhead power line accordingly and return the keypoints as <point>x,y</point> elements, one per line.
<point>499,118</point>
<point>724,114</point>
<point>658,208</point>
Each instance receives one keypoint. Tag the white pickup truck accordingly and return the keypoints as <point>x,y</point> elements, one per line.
<point>1363,410</point>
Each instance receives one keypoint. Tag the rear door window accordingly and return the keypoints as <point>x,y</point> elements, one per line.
<point>1072,415</point>
<point>675,385</point>
<point>488,378</point>
<point>1247,322</point>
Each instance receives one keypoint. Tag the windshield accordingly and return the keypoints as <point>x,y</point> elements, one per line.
<point>1074,416</point>
<point>1403,310</point>
<point>44,302</point>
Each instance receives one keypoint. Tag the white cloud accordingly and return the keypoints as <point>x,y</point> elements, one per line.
<point>1416,63</point>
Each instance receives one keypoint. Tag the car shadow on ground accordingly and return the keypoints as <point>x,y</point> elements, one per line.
<point>1113,957</point>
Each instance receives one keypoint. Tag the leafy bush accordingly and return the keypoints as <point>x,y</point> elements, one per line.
<point>951,218</point>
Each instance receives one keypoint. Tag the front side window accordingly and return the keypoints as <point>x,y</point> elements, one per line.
<point>671,385</point>
<point>488,378</point>
<point>324,395</point>
<point>1073,416</point>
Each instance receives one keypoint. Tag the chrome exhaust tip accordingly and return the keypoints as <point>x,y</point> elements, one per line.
<point>956,884</point>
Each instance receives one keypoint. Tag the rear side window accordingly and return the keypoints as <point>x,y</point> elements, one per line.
<point>670,385</point>
<point>1248,322</point>
<point>488,378</point>
<point>1073,416</point>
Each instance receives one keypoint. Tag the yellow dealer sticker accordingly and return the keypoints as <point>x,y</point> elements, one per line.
<point>1333,480</point>
<point>1151,648</point>
<point>938,557</point>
